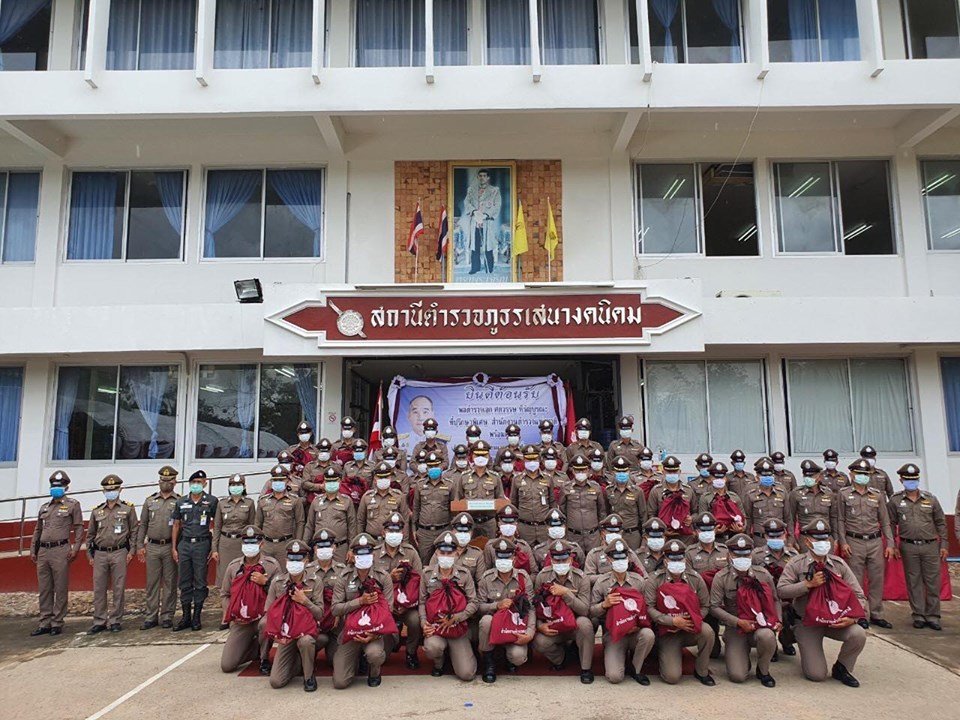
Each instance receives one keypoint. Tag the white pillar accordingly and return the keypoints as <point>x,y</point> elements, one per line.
<point>907,184</point>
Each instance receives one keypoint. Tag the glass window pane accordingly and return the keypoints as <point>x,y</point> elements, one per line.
<point>86,406</point>
<point>865,205</point>
<point>389,34</point>
<point>450,22</point>
<point>737,413</point>
<point>941,197</point>
<point>96,215</point>
<point>634,37</point>
<point>665,22</point>
<point>881,404</point>
<point>508,32</point>
<point>11,399</point>
<point>677,406</point>
<point>155,219</point>
<point>241,35</point>
<point>233,220</point>
<point>226,411</point>
<point>18,221</point>
<point>167,33</point>
<point>839,34</point>
<point>950,372</point>
<point>568,32</point>
<point>294,213</point>
<point>668,210</point>
<point>291,34</point>
<point>819,406</point>
<point>805,207</point>
<point>792,28</point>
<point>147,416</point>
<point>25,35</point>
<point>730,209</point>
<point>932,28</point>
<point>288,394</point>
<point>713,31</point>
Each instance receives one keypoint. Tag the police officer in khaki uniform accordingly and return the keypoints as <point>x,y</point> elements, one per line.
<point>626,445</point>
<point>651,552</point>
<point>342,448</point>
<point>583,504</point>
<point>547,442</point>
<point>313,473</point>
<point>388,439</point>
<point>603,596</point>
<point>507,469</point>
<point>507,527</point>
<point>656,502</point>
<point>304,451</point>
<point>811,501</point>
<point>380,503</point>
<point>481,484</point>
<point>597,562</point>
<point>110,534</point>
<point>831,477</point>
<point>328,570</point>
<point>572,586</point>
<point>625,498</point>
<point>583,444</point>
<point>703,482</point>
<point>348,595</point>
<point>432,441</point>
<point>469,556</point>
<point>719,498</point>
<point>739,480</point>
<point>155,548</point>
<point>551,461</point>
<point>557,530</point>
<point>648,476</point>
<point>863,528</point>
<point>796,582</point>
<point>396,557</point>
<point>192,517</point>
<point>52,552</point>
<point>333,511</point>
<point>774,556</point>
<point>280,516</point>
<point>431,505</point>
<point>677,632</point>
<point>444,569</point>
<point>740,634</point>
<point>532,494</point>
<point>879,478</point>
<point>780,473</point>
<point>359,466</point>
<point>234,513</point>
<point>766,500</point>
<point>707,557</point>
<point>919,518</point>
<point>512,434</point>
<point>596,459</point>
<point>461,464</point>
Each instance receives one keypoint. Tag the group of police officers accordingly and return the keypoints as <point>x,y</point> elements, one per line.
<point>576,522</point>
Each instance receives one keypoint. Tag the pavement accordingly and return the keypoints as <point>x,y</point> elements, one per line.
<point>134,674</point>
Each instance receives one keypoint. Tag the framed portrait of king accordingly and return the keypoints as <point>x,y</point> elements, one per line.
<point>483,196</point>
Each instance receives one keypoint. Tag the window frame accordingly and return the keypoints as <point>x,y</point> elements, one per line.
<point>259,363</point>
<point>483,34</point>
<point>946,411</point>
<point>908,34</point>
<point>5,171</point>
<point>23,382</point>
<point>269,48</point>
<point>50,44</point>
<point>923,202</point>
<point>322,258</point>
<point>68,181</point>
<point>178,435</point>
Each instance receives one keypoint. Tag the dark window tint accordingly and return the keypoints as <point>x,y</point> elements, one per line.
<point>865,207</point>
<point>730,209</point>
<point>294,217</point>
<point>666,32</point>
<point>156,215</point>
<point>24,35</point>
<point>933,28</point>
<point>287,395</point>
<point>86,404</point>
<point>713,31</point>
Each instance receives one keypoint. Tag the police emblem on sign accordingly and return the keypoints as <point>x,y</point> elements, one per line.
<point>350,323</point>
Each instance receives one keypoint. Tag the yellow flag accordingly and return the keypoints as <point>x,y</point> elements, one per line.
<point>519,232</point>
<point>552,239</point>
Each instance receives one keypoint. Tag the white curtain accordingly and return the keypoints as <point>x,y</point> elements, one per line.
<point>148,385</point>
<point>736,407</point>
<point>666,12</point>
<point>568,32</point>
<point>881,404</point>
<point>390,33</point>
<point>508,32</point>
<point>819,406</point>
<point>450,32</point>
<point>676,406</point>
<point>242,34</point>
<point>151,34</point>
<point>291,38</point>
<point>246,407</point>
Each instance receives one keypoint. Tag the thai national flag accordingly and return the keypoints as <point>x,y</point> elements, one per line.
<point>416,230</point>
<point>442,237</point>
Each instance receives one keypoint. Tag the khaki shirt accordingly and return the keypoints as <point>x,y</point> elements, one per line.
<point>661,493</point>
<point>863,513</point>
<point>805,505</point>
<point>112,527</point>
<point>363,470</point>
<point>629,448</point>
<point>492,589</point>
<point>598,564</point>
<point>701,560</point>
<point>582,447</point>
<point>280,517</point>
<point>774,562</point>
<point>402,459</point>
<point>431,500</point>
<point>376,507</point>
<point>270,568</point>
<point>920,519</point>
<point>312,588</point>
<point>723,594</point>
<point>156,522</point>
<point>405,553</point>
<point>584,506</point>
<point>476,486</point>
<point>349,588</point>
<point>470,559</point>
<point>312,475</point>
<point>792,583</point>
<point>54,522</point>
<point>540,551</point>
<point>628,502</point>
<point>707,502</point>
<point>700,486</point>
<point>231,517</point>
<point>833,479</point>
<point>786,479</point>
<point>488,558</point>
<point>760,507</point>
<point>337,515</point>
<point>532,495</point>
<point>652,563</point>
<point>432,580</point>
<point>881,481</point>
<point>740,482</point>
<point>575,580</point>
<point>662,576</point>
<point>436,445</point>
<point>606,584</point>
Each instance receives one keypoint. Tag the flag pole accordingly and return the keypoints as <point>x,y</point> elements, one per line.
<point>416,254</point>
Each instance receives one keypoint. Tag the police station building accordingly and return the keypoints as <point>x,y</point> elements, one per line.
<point>736,220</point>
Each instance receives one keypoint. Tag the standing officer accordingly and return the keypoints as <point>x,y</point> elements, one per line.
<point>583,504</point>
<point>234,513</point>
<point>863,527</point>
<point>532,495</point>
<point>663,500</point>
<point>831,477</point>
<point>879,479</point>
<point>774,556</point>
<point>739,480</point>
<point>651,553</point>
<point>547,441</point>
<point>481,484</point>
<point>334,512</point>
<point>461,464</point>
<point>358,465</point>
<point>597,562</point>
<point>431,505</point>
<point>380,503</point>
<point>583,444</point>
<point>304,452</point>
<point>155,548</point>
<point>702,483</point>
<point>342,448</point>
<point>192,518</point>
<point>918,516</point>
<point>52,553</point>
<point>811,501</point>
<point>388,439</point>
<point>725,505</point>
<point>112,529</point>
<point>597,475</point>
<point>780,473</point>
<point>312,475</point>
<point>626,445</point>
<point>766,500</point>
<point>649,477</point>
<point>552,461</point>
<point>796,582</point>
<point>390,557</point>
<point>280,516</point>
<point>507,527</point>
<point>472,434</point>
<point>625,498</point>
<point>507,469</point>
<point>512,433</point>
<point>432,442</point>
<point>557,530</point>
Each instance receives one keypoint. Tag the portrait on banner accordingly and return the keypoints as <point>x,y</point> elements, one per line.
<point>483,198</point>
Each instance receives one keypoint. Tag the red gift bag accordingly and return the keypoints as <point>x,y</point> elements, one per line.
<point>755,603</point>
<point>627,615</point>
<point>708,577</point>
<point>354,488</point>
<point>831,602</point>
<point>725,510</point>
<point>375,619</point>
<point>406,592</point>
<point>445,601</point>
<point>288,620</point>
<point>510,623</point>
<point>647,485</point>
<point>677,599</point>
<point>521,560</point>
<point>328,621</point>
<point>553,611</point>
<point>895,581</point>
<point>674,511</point>
<point>247,598</point>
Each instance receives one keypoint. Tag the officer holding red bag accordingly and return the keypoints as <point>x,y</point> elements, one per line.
<point>327,569</point>
<point>744,598</point>
<point>507,527</point>
<point>774,556</point>
<point>672,502</point>
<point>448,599</point>
<point>597,562</point>
<point>827,596</point>
<point>401,561</point>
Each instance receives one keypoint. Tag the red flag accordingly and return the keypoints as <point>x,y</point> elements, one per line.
<point>374,443</point>
<point>442,235</point>
<point>416,230</point>
<point>571,427</point>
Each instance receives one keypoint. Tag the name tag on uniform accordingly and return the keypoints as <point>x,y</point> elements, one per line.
<point>203,520</point>
<point>185,507</point>
<point>118,528</point>
<point>170,522</point>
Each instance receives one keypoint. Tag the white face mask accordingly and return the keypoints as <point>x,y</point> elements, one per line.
<point>583,434</point>
<point>821,548</point>
<point>531,465</point>
<point>323,457</point>
<point>646,464</point>
<point>304,437</point>
<point>513,440</point>
<point>561,568</point>
<point>346,434</point>
<point>363,562</point>
<point>550,464</point>
<point>656,544</point>
<point>556,532</point>
<point>719,483</point>
<point>445,562</point>
<point>676,567</point>
<point>430,434</point>
<point>741,564</point>
<point>506,467</point>
<point>461,463</point>
<point>422,468</point>
<point>383,483</point>
<point>611,536</point>
<point>778,467</point>
<point>295,567</point>
<point>707,536</point>
<point>481,460</point>
<point>250,550</point>
<point>546,437</point>
<point>620,566</point>
<point>389,442</point>
<point>596,466</point>
<point>393,539</point>
<point>324,554</point>
<point>831,464</point>
<point>580,476</point>
<point>463,538</point>
<point>625,433</point>
<point>508,529</point>
<point>504,565</point>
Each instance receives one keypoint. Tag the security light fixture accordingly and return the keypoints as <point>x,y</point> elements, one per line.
<point>249,291</point>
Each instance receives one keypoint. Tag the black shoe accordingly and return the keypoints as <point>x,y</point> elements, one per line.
<point>56,630</point>
<point>776,656</point>
<point>40,631</point>
<point>556,668</point>
<point>843,675</point>
<point>642,679</point>
<point>511,668</point>
<point>881,623</point>
<point>166,624</point>
<point>436,672</point>
<point>789,650</point>
<point>224,626</point>
<point>265,666</point>
<point>489,668</point>
<point>310,684</point>
<point>413,662</point>
<point>373,681</point>
<point>705,679</point>
<point>96,629</point>
<point>919,624</point>
<point>586,676</point>
<point>934,625</point>
<point>149,624</point>
<point>115,628</point>
<point>766,680</point>
<point>186,620</point>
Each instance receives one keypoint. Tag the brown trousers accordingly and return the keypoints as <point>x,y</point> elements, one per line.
<point>242,645</point>
<point>53,573</point>
<point>736,653</point>
<point>639,643</point>
<point>410,619</point>
<point>461,654</point>
<point>921,566</point>
<point>553,647</point>
<point>228,549</point>
<point>161,582</point>
<point>533,534</point>
<point>814,662</point>
<point>109,570</point>
<point>866,557</point>
<point>293,658</point>
<point>670,646</point>
<point>348,654</point>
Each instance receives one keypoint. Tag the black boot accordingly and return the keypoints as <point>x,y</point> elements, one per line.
<point>843,675</point>
<point>197,609</point>
<point>489,668</point>
<point>186,620</point>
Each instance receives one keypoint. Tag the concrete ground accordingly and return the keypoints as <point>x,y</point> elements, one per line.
<point>903,672</point>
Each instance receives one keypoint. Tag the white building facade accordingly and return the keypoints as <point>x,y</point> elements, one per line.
<point>786,171</point>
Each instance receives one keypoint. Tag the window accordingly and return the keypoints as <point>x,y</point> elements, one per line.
<point>813,30</point>
<point>264,214</point>
<point>151,34</point>
<point>569,32</point>
<point>19,198</point>
<point>390,33</point>
<point>126,215</point>
<point>950,372</point>
<point>932,28</point>
<point>703,207</point>
<point>24,34</point>
<point>712,406</point>
<point>247,411</point>
<point>125,412</point>
<point>451,25</point>
<point>263,33</point>
<point>846,404</point>
<point>690,31</point>
<point>11,398</point>
<point>835,207</point>
<point>941,198</point>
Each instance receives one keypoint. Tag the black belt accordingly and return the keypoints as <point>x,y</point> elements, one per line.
<point>338,543</point>
<point>917,542</point>
<point>279,539</point>
<point>100,548</point>
<point>581,532</point>
<point>194,539</point>
<point>862,536</point>
<point>159,542</point>
<point>431,527</point>
<point>58,543</point>
<point>534,524</point>
<point>633,529</point>
<point>233,536</point>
